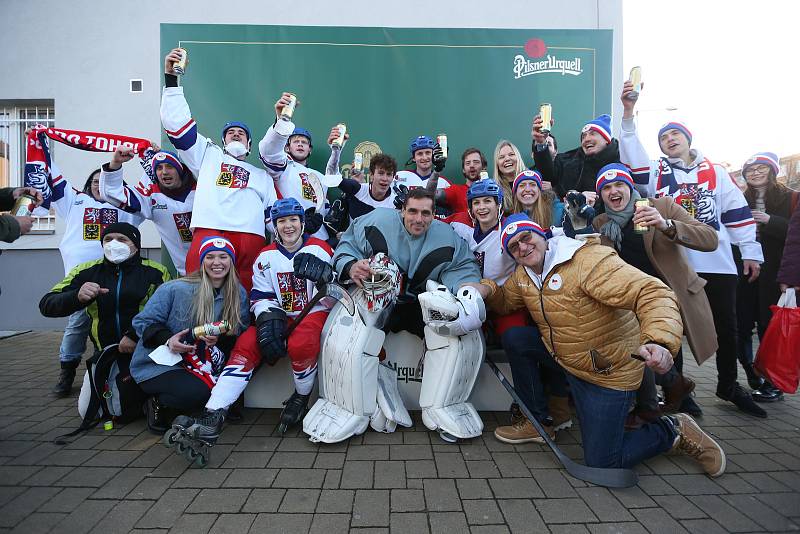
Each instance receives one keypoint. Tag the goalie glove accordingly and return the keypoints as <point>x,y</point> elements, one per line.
<point>270,329</point>
<point>439,305</point>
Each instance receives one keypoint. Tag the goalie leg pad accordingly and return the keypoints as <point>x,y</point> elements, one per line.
<point>451,368</point>
<point>390,411</point>
<point>348,378</point>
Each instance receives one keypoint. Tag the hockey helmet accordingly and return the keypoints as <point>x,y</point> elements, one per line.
<point>423,141</point>
<point>485,188</point>
<point>301,132</point>
<point>286,207</point>
<point>235,124</point>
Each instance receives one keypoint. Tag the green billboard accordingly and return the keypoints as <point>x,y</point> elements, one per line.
<point>390,85</point>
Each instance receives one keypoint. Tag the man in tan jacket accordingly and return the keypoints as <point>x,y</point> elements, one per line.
<point>602,320</point>
<point>657,249</point>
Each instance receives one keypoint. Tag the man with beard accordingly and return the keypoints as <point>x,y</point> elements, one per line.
<point>165,195</point>
<point>232,196</point>
<point>455,197</point>
<point>576,169</point>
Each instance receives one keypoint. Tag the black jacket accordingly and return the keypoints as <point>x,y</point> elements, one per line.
<point>130,284</point>
<point>573,170</point>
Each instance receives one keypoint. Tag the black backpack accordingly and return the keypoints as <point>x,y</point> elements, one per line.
<point>109,392</point>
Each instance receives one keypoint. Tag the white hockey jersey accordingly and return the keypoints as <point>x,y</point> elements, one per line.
<point>275,284</point>
<point>706,191</point>
<point>291,179</point>
<point>495,264</point>
<point>231,194</point>
<point>412,180</point>
<point>85,220</point>
<point>172,216</point>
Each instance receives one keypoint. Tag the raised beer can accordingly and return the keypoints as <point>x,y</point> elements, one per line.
<point>339,141</point>
<point>24,206</point>
<point>358,161</point>
<point>546,113</point>
<point>179,67</point>
<point>442,140</point>
<point>483,175</point>
<point>636,79</point>
<point>640,228</point>
<point>288,109</point>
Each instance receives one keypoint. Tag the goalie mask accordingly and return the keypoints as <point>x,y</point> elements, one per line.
<point>382,289</point>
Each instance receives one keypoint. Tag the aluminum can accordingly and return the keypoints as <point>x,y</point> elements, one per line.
<point>358,161</point>
<point>636,79</point>
<point>288,110</point>
<point>179,67</point>
<point>546,112</point>
<point>24,206</point>
<point>209,329</point>
<point>442,140</point>
<point>483,175</point>
<point>339,141</point>
<point>638,228</point>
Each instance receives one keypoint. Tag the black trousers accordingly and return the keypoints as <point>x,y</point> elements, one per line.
<point>178,389</point>
<point>721,293</point>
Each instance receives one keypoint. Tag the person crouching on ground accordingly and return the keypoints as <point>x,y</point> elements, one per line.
<point>624,314</point>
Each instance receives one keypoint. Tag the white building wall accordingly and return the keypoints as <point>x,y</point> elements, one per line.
<point>83,53</point>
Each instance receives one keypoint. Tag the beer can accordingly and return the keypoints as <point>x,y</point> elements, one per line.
<point>358,161</point>
<point>288,109</point>
<point>339,141</point>
<point>636,79</point>
<point>24,206</point>
<point>546,113</point>
<point>209,329</point>
<point>442,140</point>
<point>108,425</point>
<point>483,176</point>
<point>639,228</point>
<point>179,67</point>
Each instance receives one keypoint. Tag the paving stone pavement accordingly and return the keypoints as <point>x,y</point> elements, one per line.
<point>125,480</point>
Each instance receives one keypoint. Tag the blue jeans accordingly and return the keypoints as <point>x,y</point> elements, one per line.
<point>602,413</point>
<point>73,344</point>
<point>530,362</point>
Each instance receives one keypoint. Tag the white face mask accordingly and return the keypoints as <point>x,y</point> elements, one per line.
<point>236,149</point>
<point>116,252</point>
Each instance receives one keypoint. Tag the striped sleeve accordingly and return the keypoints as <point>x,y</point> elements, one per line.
<point>633,154</point>
<point>181,128</point>
<point>271,147</point>
<point>735,215</point>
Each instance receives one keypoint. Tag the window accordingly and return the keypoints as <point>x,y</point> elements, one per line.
<point>15,118</point>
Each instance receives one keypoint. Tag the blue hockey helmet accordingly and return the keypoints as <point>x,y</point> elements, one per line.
<point>286,207</point>
<point>485,188</point>
<point>423,141</point>
<point>303,132</point>
<point>235,124</point>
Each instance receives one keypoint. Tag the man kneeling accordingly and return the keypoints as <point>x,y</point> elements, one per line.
<point>599,317</point>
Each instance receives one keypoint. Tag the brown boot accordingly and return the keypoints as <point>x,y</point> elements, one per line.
<point>559,411</point>
<point>516,414</point>
<point>693,442</point>
<point>522,432</point>
<point>681,388</point>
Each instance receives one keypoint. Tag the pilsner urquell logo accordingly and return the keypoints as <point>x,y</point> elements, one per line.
<point>542,62</point>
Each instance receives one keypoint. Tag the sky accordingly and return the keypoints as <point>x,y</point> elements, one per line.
<point>731,69</point>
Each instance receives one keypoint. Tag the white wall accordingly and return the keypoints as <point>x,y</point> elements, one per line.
<point>83,53</point>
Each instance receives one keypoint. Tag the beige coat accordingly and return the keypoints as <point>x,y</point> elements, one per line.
<point>669,260</point>
<point>586,305</point>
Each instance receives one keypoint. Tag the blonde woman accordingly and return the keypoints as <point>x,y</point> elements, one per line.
<point>202,376</point>
<point>531,199</point>
<point>507,166</point>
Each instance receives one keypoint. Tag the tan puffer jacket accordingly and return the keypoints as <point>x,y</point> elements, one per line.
<point>587,312</point>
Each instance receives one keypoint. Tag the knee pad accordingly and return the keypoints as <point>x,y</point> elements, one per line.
<point>452,365</point>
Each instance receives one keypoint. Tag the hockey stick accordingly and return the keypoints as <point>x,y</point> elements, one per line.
<point>330,289</point>
<point>610,478</point>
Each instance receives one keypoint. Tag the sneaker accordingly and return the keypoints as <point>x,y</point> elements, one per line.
<point>560,412</point>
<point>522,432</point>
<point>693,442</point>
<point>674,394</point>
<point>743,400</point>
<point>767,393</point>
